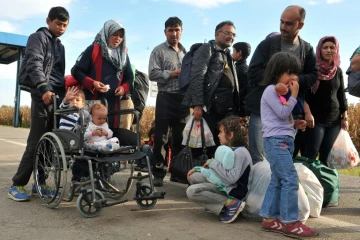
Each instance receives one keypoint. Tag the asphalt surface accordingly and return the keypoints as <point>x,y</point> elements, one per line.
<point>172,218</point>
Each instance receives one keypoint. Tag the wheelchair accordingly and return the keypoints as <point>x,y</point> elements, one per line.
<point>110,174</point>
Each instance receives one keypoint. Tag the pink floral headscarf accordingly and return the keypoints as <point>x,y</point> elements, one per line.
<point>326,72</point>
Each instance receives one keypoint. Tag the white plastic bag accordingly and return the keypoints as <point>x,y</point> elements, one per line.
<point>343,153</point>
<point>195,136</point>
<point>313,189</point>
<point>260,175</point>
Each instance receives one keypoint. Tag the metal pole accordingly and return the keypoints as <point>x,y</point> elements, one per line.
<point>17,90</point>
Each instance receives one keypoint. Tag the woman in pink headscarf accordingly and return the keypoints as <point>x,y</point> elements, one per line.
<point>326,112</point>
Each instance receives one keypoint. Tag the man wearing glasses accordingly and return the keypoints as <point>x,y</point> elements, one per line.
<point>213,92</point>
<point>291,22</point>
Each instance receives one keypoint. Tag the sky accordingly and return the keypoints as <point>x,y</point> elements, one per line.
<point>144,25</point>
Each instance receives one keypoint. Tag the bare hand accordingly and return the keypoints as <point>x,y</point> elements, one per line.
<point>309,118</point>
<point>300,124</point>
<point>71,94</point>
<point>189,174</point>
<point>206,165</point>
<point>100,87</point>
<point>119,91</point>
<point>295,78</point>
<point>294,87</point>
<point>344,124</point>
<point>47,97</point>
<point>175,73</point>
<point>198,112</point>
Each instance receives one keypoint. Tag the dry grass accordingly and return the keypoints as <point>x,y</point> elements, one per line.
<point>7,118</point>
<point>7,114</point>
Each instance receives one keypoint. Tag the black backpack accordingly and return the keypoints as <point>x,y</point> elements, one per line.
<point>140,92</point>
<point>184,77</point>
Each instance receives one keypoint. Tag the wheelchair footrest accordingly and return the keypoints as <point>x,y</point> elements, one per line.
<point>155,195</point>
<point>109,204</point>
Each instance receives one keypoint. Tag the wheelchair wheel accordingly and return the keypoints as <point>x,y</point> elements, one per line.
<point>118,174</point>
<point>142,191</point>
<point>50,170</point>
<point>84,204</point>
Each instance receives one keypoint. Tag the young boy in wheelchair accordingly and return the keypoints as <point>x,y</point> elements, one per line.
<point>98,136</point>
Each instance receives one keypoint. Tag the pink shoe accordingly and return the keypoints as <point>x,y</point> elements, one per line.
<point>299,230</point>
<point>273,226</point>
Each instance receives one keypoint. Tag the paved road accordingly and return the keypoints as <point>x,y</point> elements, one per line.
<point>172,218</point>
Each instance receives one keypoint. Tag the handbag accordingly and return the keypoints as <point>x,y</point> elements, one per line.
<point>183,162</point>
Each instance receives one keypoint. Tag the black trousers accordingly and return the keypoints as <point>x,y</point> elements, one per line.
<point>41,122</point>
<point>170,114</point>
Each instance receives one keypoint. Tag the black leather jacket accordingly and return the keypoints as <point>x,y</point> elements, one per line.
<point>207,68</point>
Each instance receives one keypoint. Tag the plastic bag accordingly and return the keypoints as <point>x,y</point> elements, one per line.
<point>313,189</point>
<point>343,153</point>
<point>260,175</point>
<point>195,136</point>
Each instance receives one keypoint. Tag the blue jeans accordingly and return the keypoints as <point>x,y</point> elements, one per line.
<point>320,139</point>
<point>255,139</point>
<point>145,149</point>
<point>281,197</point>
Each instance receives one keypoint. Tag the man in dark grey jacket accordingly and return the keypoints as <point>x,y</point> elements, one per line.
<point>42,74</point>
<point>213,91</point>
<point>291,22</point>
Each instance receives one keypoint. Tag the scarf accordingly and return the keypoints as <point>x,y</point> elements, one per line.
<point>326,72</point>
<point>116,56</point>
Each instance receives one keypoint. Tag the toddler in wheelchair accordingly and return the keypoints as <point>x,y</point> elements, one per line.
<point>98,135</point>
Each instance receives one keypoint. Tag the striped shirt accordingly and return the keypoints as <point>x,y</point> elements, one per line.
<point>163,60</point>
<point>70,121</point>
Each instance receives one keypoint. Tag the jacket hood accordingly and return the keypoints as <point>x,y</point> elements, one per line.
<point>46,31</point>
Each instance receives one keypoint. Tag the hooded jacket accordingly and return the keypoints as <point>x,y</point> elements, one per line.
<point>38,62</point>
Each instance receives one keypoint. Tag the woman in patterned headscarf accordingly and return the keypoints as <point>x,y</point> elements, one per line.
<point>326,99</point>
<point>104,70</point>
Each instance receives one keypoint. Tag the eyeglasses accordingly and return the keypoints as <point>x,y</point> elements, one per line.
<point>228,33</point>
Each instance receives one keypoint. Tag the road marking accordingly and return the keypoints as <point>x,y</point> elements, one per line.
<point>17,143</point>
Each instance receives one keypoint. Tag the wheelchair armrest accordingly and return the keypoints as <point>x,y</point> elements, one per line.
<point>123,112</point>
<point>67,110</point>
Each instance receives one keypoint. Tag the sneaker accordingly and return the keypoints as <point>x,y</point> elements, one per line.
<point>46,190</point>
<point>158,182</point>
<point>299,230</point>
<point>274,226</point>
<point>232,211</point>
<point>18,193</point>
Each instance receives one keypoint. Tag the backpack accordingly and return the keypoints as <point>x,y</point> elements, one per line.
<point>185,74</point>
<point>140,91</point>
<point>70,81</point>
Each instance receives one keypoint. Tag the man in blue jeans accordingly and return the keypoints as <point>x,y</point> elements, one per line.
<point>291,22</point>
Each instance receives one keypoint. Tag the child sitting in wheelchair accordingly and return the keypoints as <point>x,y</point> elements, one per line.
<point>74,98</point>
<point>98,135</point>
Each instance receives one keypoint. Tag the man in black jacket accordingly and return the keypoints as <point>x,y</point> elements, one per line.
<point>42,74</point>
<point>213,91</point>
<point>291,22</point>
<point>241,51</point>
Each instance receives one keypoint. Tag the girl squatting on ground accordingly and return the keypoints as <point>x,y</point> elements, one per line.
<point>226,202</point>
